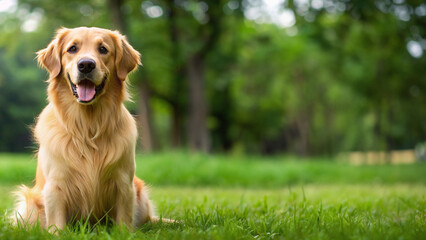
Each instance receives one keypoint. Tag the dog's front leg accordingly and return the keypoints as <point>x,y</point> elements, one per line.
<point>125,205</point>
<point>54,207</point>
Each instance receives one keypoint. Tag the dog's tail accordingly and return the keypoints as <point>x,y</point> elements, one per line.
<point>29,206</point>
<point>156,219</point>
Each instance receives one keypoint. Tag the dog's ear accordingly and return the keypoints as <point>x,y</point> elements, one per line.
<point>126,57</point>
<point>50,57</point>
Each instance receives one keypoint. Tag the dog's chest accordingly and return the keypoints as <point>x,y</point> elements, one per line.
<point>90,183</point>
<point>93,191</point>
<point>90,169</point>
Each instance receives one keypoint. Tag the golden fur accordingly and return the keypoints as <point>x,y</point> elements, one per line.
<point>86,156</point>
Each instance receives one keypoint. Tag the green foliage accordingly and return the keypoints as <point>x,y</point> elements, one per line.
<point>21,91</point>
<point>338,80</point>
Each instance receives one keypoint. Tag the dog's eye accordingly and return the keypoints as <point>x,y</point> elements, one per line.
<point>102,50</point>
<point>72,49</point>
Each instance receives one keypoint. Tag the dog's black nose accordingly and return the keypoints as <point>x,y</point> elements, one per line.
<point>86,65</point>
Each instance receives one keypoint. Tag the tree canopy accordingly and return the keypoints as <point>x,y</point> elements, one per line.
<point>309,77</point>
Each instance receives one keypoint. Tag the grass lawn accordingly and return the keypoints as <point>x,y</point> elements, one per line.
<point>220,197</point>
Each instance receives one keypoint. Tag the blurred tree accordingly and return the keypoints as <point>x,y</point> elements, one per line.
<point>199,25</point>
<point>119,20</point>
<point>22,92</point>
<point>221,76</point>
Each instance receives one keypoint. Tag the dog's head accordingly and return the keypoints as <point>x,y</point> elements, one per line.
<point>88,59</point>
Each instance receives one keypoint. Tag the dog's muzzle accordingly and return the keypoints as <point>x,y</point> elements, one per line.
<point>86,91</point>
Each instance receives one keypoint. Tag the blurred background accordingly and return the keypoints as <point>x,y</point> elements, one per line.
<point>298,77</point>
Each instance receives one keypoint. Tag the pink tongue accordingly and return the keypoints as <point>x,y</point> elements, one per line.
<point>86,91</point>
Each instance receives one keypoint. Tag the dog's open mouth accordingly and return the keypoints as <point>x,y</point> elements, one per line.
<point>86,91</point>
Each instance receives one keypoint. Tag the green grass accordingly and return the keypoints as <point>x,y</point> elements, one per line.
<point>180,169</point>
<point>220,197</point>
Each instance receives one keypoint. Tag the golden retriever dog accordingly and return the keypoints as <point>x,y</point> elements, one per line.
<point>86,137</point>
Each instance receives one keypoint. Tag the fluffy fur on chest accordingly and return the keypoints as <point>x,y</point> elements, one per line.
<point>87,155</point>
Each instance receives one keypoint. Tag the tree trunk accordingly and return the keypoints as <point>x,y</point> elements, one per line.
<point>144,122</point>
<point>176,126</point>
<point>198,135</point>
<point>143,119</point>
<point>117,17</point>
<point>224,115</point>
<point>178,72</point>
